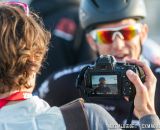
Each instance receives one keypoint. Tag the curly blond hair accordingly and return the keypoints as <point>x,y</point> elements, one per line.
<point>23,44</point>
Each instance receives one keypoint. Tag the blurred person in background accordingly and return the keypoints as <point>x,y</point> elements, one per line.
<point>68,44</point>
<point>151,51</point>
<point>121,22</point>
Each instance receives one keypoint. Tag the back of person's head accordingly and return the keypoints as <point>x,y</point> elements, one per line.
<point>23,44</point>
<point>94,12</point>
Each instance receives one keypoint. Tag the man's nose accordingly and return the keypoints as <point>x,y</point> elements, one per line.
<point>118,41</point>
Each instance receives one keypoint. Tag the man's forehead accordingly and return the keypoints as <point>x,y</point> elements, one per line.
<point>118,23</point>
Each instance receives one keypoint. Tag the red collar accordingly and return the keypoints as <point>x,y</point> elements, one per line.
<point>15,97</point>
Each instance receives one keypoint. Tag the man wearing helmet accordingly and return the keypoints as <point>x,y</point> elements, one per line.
<point>112,27</point>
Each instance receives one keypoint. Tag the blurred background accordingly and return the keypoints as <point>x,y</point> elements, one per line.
<point>153,19</point>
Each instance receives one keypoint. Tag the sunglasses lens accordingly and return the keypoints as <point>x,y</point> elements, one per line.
<point>105,36</point>
<point>129,32</point>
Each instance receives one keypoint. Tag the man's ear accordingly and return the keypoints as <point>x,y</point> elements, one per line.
<point>91,42</point>
<point>144,33</point>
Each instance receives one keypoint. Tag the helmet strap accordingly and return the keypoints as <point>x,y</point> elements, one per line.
<point>97,51</point>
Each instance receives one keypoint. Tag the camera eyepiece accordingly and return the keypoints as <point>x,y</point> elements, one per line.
<point>105,62</point>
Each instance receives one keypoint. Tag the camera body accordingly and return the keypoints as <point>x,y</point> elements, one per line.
<point>107,78</point>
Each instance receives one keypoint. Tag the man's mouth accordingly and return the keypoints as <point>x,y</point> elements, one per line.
<point>122,57</point>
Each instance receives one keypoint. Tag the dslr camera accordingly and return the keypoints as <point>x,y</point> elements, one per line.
<point>107,78</point>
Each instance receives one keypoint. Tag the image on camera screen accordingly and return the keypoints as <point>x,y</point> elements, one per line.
<point>104,84</point>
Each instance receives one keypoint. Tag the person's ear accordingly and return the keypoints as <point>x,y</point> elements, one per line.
<point>144,33</point>
<point>91,42</point>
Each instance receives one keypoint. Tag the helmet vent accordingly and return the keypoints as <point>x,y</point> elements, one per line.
<point>95,3</point>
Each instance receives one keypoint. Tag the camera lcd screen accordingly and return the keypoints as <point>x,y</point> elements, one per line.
<point>104,84</point>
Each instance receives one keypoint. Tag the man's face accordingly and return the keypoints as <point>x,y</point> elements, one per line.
<point>118,44</point>
<point>103,81</point>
